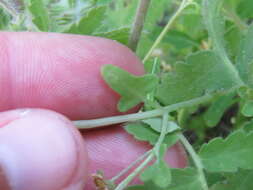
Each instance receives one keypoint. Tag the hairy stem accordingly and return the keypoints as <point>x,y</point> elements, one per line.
<point>163,133</point>
<point>129,178</point>
<point>124,171</point>
<point>138,24</point>
<point>184,4</point>
<point>196,161</point>
<point>95,123</point>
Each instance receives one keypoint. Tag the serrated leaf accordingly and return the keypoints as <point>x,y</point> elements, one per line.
<point>203,73</point>
<point>247,109</point>
<point>88,23</point>
<point>143,132</point>
<point>227,155</point>
<point>121,35</point>
<point>244,60</point>
<point>40,16</point>
<point>133,89</point>
<point>156,123</point>
<point>242,180</point>
<point>159,173</point>
<point>214,113</point>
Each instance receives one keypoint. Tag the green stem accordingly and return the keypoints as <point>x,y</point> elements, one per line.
<point>196,161</point>
<point>95,123</point>
<point>138,24</point>
<point>234,17</point>
<point>129,178</point>
<point>8,8</point>
<point>124,171</point>
<point>162,134</point>
<point>182,6</point>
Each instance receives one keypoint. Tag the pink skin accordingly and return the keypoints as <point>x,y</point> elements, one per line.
<point>48,153</point>
<point>62,73</point>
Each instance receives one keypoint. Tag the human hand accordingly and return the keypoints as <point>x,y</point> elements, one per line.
<point>62,73</point>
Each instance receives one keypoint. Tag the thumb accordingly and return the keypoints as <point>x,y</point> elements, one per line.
<point>40,150</point>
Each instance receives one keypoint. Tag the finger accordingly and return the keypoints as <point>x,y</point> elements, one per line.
<point>60,72</point>
<point>111,150</point>
<point>42,150</point>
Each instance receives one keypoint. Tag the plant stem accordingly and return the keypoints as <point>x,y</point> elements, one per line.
<point>183,4</point>
<point>6,6</point>
<point>196,161</point>
<point>138,24</point>
<point>234,17</point>
<point>124,171</point>
<point>95,123</point>
<point>129,178</point>
<point>162,134</point>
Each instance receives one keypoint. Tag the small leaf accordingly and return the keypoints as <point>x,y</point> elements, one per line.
<point>217,109</point>
<point>227,155</point>
<point>143,132</point>
<point>159,173</point>
<point>40,16</point>
<point>121,35</point>
<point>133,89</point>
<point>89,23</point>
<point>156,123</point>
<point>247,109</point>
<point>242,180</point>
<point>203,73</point>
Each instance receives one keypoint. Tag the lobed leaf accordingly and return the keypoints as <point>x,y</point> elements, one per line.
<point>204,72</point>
<point>227,155</point>
<point>133,89</point>
<point>89,23</point>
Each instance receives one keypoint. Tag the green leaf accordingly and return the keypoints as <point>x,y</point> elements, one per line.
<point>247,109</point>
<point>245,9</point>
<point>244,61</point>
<point>185,179</point>
<point>121,35</point>
<point>5,19</point>
<point>156,123</point>
<point>89,23</point>
<point>242,180</point>
<point>215,24</point>
<point>159,173</point>
<point>217,109</point>
<point>40,16</point>
<point>143,132</point>
<point>133,89</point>
<point>227,155</point>
<point>203,73</point>
<point>147,186</point>
<point>180,40</point>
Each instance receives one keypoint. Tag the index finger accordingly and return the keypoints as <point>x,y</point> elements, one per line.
<point>61,72</point>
